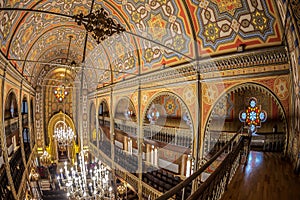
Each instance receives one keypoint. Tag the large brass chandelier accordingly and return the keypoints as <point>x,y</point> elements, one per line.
<point>99,24</point>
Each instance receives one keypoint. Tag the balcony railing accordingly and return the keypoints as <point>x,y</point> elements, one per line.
<point>128,127</point>
<point>215,183</point>
<point>207,183</point>
<point>122,173</point>
<point>170,135</point>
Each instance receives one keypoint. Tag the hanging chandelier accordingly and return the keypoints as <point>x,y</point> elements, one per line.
<point>45,159</point>
<point>60,93</point>
<point>64,134</point>
<point>83,181</point>
<point>99,24</point>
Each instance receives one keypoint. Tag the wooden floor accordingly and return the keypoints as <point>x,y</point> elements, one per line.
<point>266,177</point>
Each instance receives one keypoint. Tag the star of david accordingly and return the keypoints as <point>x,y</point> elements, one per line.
<point>253,116</point>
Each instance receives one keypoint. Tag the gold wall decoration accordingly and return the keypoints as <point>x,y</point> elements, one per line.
<point>52,149</point>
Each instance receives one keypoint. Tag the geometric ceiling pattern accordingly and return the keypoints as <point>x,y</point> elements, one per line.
<point>158,32</point>
<point>223,25</point>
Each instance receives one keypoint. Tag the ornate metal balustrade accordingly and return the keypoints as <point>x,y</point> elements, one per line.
<point>215,184</point>
<point>128,127</point>
<point>150,192</point>
<point>122,173</point>
<point>233,153</point>
<point>176,136</point>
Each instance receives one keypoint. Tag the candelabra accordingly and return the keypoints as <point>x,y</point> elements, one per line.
<point>83,181</point>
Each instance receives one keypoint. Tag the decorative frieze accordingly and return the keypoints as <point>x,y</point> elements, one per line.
<point>272,56</point>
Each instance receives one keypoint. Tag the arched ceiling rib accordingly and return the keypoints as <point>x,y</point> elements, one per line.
<point>163,31</point>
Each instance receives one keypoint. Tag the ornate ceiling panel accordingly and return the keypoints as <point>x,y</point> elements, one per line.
<point>222,25</point>
<point>57,39</point>
<point>166,34</point>
<point>10,20</point>
<point>157,32</point>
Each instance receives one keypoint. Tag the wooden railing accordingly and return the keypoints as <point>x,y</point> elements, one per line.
<point>215,184</point>
<point>104,121</point>
<point>12,128</point>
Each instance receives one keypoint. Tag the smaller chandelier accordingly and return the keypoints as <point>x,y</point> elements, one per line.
<point>45,159</point>
<point>60,93</point>
<point>64,134</point>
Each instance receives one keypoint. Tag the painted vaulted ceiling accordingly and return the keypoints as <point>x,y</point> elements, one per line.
<point>158,32</point>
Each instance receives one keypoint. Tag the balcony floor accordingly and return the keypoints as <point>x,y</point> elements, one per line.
<point>266,176</point>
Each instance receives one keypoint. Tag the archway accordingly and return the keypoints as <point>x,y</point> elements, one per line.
<point>25,128</point>
<point>103,121</point>
<point>223,121</point>
<point>125,110</point>
<point>58,120</point>
<point>125,121</point>
<point>11,114</point>
<point>168,133</point>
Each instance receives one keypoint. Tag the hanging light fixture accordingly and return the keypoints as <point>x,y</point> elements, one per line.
<point>83,181</point>
<point>99,24</point>
<point>63,134</point>
<point>60,93</point>
<point>45,159</point>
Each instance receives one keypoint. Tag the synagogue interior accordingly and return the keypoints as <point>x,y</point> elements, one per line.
<point>150,99</point>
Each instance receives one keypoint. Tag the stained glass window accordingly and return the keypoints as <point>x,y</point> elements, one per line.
<point>253,116</point>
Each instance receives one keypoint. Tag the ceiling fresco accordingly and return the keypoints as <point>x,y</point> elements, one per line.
<point>158,32</point>
<point>222,25</point>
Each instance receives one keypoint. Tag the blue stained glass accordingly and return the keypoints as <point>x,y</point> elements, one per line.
<point>244,115</point>
<point>262,116</point>
<point>252,103</point>
<point>252,128</point>
<point>252,116</point>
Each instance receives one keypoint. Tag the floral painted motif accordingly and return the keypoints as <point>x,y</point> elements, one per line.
<point>281,88</point>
